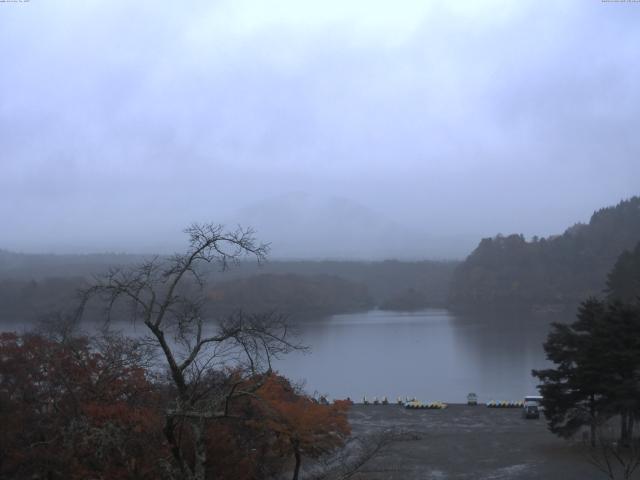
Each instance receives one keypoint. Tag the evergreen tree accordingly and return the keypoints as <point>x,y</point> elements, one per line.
<point>623,283</point>
<point>572,391</point>
<point>619,337</point>
<point>597,369</point>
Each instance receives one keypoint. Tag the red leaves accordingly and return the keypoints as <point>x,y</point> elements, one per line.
<point>77,410</point>
<point>70,412</point>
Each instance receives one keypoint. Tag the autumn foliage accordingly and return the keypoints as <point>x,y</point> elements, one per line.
<point>79,409</point>
<point>280,426</point>
<point>69,411</point>
<point>301,425</point>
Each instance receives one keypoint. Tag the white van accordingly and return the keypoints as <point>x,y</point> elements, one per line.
<point>537,399</point>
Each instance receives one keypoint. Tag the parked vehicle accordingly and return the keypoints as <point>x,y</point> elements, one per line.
<point>531,410</point>
<point>537,399</point>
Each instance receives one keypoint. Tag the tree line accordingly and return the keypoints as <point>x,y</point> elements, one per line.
<point>562,269</point>
<point>31,286</point>
<point>595,379</point>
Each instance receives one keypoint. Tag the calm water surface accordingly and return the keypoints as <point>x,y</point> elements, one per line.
<point>434,355</point>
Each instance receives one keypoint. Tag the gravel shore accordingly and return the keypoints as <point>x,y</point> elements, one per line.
<point>469,442</point>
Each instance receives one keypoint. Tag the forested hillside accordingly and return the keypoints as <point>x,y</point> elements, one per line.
<point>29,266</point>
<point>297,297</point>
<point>31,286</point>
<point>293,295</point>
<point>563,269</point>
<point>392,284</point>
<point>623,282</point>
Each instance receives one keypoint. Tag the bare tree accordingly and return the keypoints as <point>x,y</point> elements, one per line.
<point>209,363</point>
<point>351,460</point>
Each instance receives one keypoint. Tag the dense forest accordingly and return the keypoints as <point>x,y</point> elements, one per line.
<point>293,295</point>
<point>558,270</point>
<point>32,286</point>
<point>623,282</point>
<point>297,297</point>
<point>23,266</point>
<point>508,270</point>
<point>402,285</point>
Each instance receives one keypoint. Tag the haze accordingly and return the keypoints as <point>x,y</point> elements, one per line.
<point>362,129</point>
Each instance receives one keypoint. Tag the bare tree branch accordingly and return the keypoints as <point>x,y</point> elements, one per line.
<point>168,295</point>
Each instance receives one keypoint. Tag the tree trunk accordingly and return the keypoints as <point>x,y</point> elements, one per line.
<point>592,408</point>
<point>296,470</point>
<point>624,435</point>
<point>200,454</point>
<point>627,420</point>
<point>169,433</point>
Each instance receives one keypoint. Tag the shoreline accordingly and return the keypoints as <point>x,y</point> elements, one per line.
<point>468,442</point>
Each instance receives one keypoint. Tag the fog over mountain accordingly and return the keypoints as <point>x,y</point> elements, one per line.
<point>300,225</point>
<point>412,128</point>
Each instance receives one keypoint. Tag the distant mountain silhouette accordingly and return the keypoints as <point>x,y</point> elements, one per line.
<point>561,269</point>
<point>304,226</point>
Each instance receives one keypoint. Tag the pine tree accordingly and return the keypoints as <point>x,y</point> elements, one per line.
<point>572,392</point>
<point>597,370</point>
<point>623,283</point>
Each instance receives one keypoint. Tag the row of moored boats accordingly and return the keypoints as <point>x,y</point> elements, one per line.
<point>413,403</point>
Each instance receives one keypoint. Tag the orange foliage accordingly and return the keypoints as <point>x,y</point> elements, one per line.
<point>276,425</point>
<point>306,426</point>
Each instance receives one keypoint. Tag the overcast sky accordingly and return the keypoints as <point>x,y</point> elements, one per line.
<point>123,121</point>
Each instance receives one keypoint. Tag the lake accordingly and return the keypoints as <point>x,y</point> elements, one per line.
<point>433,355</point>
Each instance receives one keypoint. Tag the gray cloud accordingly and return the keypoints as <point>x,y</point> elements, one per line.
<point>121,122</point>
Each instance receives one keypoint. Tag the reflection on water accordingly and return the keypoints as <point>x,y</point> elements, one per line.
<point>432,354</point>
